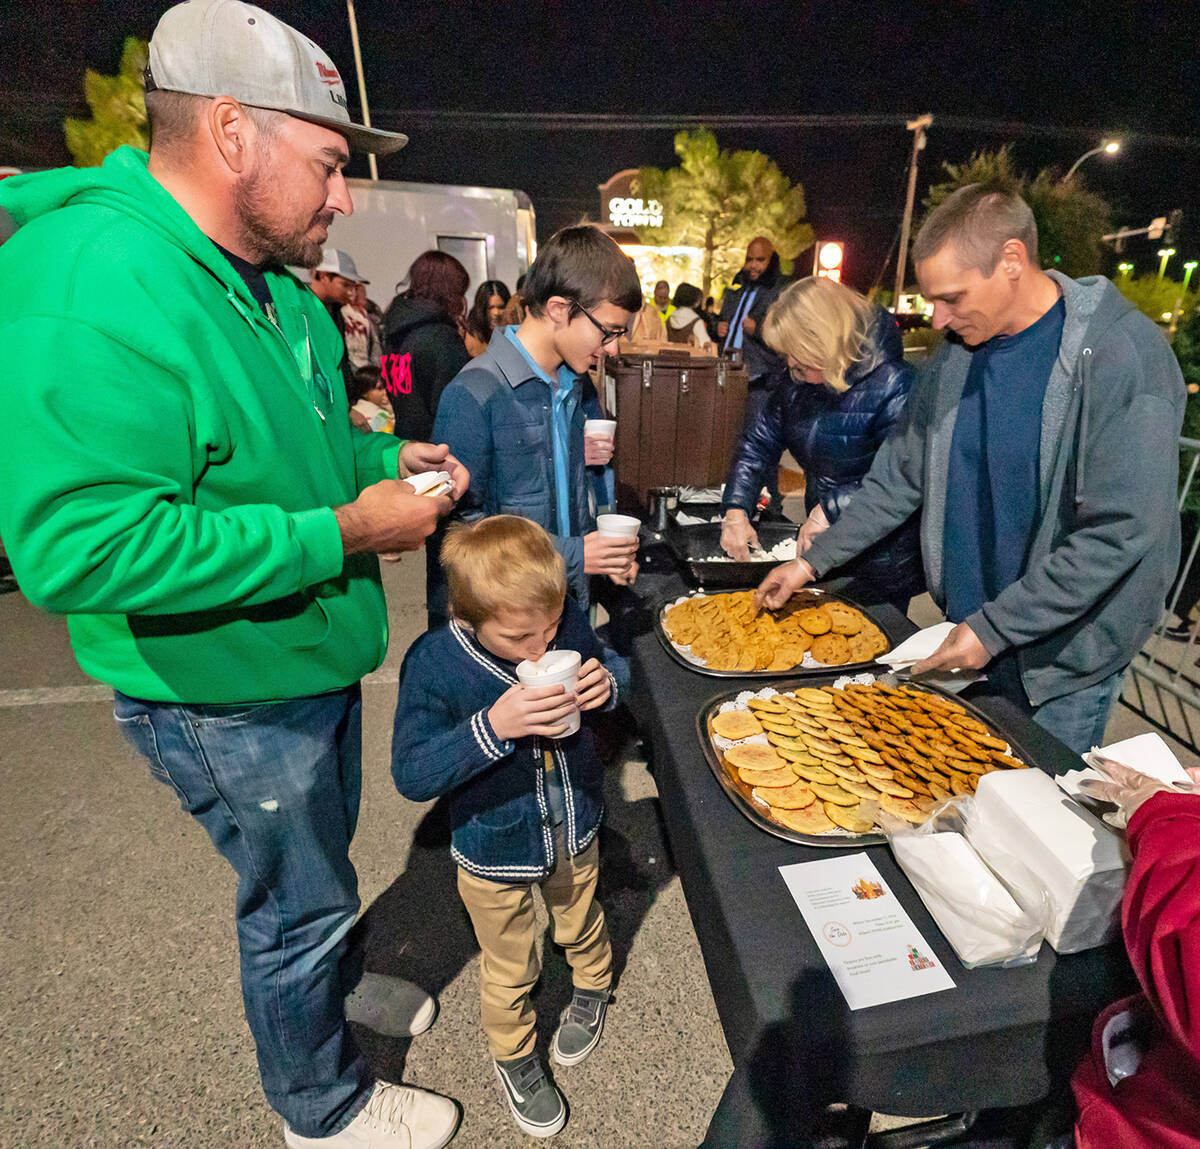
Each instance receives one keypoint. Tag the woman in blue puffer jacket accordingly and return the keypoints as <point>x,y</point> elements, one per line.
<point>849,383</point>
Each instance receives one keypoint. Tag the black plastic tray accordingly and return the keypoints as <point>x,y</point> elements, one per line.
<point>814,596</point>
<point>844,838</point>
<point>689,543</point>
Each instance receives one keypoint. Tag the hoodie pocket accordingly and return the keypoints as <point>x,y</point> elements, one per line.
<point>307,629</point>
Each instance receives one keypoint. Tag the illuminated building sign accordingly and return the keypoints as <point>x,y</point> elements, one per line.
<point>623,206</point>
<point>626,211</point>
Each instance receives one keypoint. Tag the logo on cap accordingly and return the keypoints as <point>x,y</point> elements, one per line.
<point>327,75</point>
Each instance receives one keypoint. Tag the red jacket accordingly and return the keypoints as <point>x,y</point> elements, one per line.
<point>1158,1107</point>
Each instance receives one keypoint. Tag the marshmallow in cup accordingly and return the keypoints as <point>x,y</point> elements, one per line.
<point>554,668</point>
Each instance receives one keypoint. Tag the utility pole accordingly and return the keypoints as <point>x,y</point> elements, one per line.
<point>362,83</point>
<point>917,127</point>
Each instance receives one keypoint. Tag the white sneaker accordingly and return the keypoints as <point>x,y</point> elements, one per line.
<point>394,1117</point>
<point>390,1005</point>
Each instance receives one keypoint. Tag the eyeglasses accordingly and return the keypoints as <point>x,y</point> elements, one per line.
<point>609,333</point>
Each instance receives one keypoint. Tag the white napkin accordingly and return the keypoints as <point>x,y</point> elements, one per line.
<point>920,645</point>
<point>1147,753</point>
<point>430,483</point>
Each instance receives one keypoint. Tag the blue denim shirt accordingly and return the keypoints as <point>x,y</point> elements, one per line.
<point>497,417</point>
<point>564,399</point>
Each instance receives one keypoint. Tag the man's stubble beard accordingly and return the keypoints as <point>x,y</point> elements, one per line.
<point>271,241</point>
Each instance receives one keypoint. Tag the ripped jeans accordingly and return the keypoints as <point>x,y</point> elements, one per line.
<point>276,786</point>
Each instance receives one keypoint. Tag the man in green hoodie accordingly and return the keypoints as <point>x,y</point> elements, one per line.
<point>1039,446</point>
<point>211,529</point>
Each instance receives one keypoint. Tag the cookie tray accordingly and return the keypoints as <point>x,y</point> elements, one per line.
<point>739,793</point>
<point>810,596</point>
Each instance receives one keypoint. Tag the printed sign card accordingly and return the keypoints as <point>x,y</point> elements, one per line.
<point>864,934</point>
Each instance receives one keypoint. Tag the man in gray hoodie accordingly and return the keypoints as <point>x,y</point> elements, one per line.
<point>1039,445</point>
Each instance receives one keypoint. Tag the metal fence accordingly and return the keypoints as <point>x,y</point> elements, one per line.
<point>1163,683</point>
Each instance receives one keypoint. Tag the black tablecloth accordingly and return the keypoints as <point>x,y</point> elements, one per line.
<point>997,1039</point>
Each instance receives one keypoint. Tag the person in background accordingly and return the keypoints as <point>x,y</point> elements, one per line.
<point>517,411</point>
<point>369,406</point>
<point>647,325</point>
<point>1038,445</point>
<point>218,564</point>
<point>662,300</point>
<point>364,329</point>
<point>847,390</point>
<point>743,308</point>
<point>486,315</point>
<point>1140,1086</point>
<point>525,802</point>
<point>514,312</point>
<point>422,346</point>
<point>334,281</point>
<point>710,317</point>
<point>685,324</point>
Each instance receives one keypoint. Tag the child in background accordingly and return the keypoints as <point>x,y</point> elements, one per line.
<point>525,802</point>
<point>369,406</point>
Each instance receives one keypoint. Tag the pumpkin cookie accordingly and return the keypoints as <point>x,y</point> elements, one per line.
<point>735,724</point>
<point>793,797</point>
<point>754,756</point>
<point>849,818</point>
<point>809,820</point>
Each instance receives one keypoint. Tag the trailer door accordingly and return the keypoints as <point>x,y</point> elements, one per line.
<point>472,252</point>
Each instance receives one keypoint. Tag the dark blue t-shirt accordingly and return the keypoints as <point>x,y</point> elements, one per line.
<point>992,507</point>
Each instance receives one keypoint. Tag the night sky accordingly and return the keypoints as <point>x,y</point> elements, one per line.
<point>1060,77</point>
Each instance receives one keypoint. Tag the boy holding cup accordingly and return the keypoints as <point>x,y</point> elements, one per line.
<point>524,781</point>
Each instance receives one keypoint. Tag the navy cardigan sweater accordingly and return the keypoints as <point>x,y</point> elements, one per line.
<point>443,743</point>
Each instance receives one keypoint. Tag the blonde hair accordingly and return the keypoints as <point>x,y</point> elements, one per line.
<point>822,324</point>
<point>502,563</point>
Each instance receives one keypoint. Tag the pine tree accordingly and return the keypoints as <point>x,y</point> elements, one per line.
<point>719,201</point>
<point>1070,218</point>
<point>118,105</point>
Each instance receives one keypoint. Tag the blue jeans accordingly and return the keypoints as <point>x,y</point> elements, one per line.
<point>1079,719</point>
<point>277,786</point>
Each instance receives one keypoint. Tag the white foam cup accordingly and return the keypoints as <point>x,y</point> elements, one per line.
<point>618,526</point>
<point>554,668</point>
<point>606,428</point>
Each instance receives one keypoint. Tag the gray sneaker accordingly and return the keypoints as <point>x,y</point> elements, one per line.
<point>580,1027</point>
<point>536,1104</point>
<point>390,1005</point>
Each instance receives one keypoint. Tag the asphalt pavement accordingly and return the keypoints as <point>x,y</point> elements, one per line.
<point>122,1014</point>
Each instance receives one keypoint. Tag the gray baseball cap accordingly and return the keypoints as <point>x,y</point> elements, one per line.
<point>228,48</point>
<point>339,263</point>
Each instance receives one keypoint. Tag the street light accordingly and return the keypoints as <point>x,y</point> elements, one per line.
<point>1125,268</point>
<point>1188,268</point>
<point>1109,147</point>
<point>1164,253</point>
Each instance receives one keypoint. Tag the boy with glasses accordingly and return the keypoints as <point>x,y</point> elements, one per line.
<point>514,415</point>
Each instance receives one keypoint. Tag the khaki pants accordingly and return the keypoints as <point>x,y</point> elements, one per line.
<point>506,931</point>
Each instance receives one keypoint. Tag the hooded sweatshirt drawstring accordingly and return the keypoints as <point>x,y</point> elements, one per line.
<point>1085,369</point>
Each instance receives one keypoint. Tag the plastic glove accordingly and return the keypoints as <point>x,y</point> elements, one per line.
<point>1127,789</point>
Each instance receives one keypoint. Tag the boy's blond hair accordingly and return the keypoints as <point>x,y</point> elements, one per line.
<point>500,563</point>
<point>822,324</point>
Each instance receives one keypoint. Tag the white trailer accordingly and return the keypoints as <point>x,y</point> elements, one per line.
<point>489,230</point>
